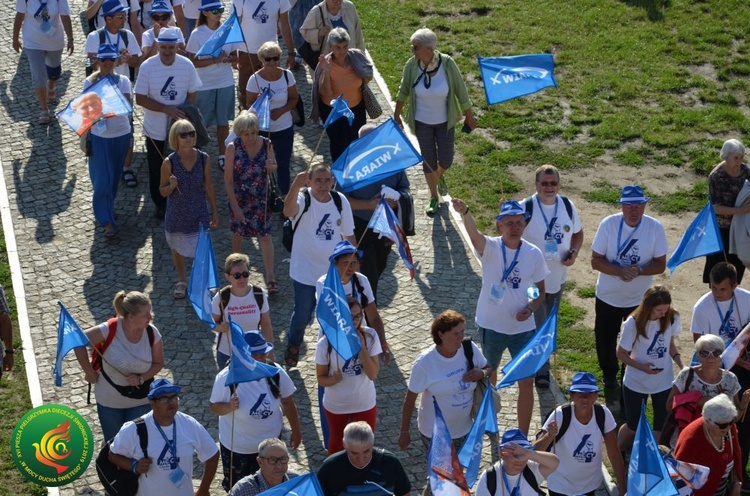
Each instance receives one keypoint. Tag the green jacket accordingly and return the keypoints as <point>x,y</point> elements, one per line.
<point>458,97</point>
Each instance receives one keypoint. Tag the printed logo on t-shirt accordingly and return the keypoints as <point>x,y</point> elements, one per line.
<point>629,255</point>
<point>236,310</point>
<point>657,348</point>
<point>262,408</point>
<point>352,367</point>
<point>325,230</point>
<point>166,461</point>
<point>584,452</point>
<point>514,279</point>
<point>261,14</point>
<point>169,90</point>
<point>729,331</point>
<point>556,234</point>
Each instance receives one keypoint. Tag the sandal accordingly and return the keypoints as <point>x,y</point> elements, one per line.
<point>44,117</point>
<point>111,232</point>
<point>180,291</point>
<point>129,177</point>
<point>291,356</point>
<point>272,287</point>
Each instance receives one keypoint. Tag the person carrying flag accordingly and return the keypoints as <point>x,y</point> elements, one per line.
<point>513,272</point>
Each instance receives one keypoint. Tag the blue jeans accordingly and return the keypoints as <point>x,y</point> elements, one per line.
<point>304,306</point>
<point>283,141</point>
<point>112,419</point>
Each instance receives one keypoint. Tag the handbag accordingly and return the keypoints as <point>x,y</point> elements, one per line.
<point>275,198</point>
<point>306,51</point>
<point>481,385</point>
<point>298,112</point>
<point>374,110</point>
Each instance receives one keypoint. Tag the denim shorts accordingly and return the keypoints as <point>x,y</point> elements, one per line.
<point>495,343</point>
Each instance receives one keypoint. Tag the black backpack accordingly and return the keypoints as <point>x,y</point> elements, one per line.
<point>527,474</point>
<point>290,228</point>
<point>225,294</point>
<point>529,206</point>
<point>118,482</point>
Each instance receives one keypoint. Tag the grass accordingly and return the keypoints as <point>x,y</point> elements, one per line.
<point>14,398</point>
<point>640,83</point>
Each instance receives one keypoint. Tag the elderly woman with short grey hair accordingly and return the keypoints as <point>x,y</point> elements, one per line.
<point>344,71</point>
<point>724,185</point>
<point>437,98</point>
<point>712,441</point>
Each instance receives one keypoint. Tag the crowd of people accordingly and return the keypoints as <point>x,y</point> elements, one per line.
<point>149,50</point>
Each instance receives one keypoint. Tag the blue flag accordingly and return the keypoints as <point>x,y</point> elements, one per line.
<point>229,32</point>
<point>242,366</point>
<point>647,472</point>
<point>262,107</point>
<point>203,278</point>
<point>701,238</point>
<point>506,78</point>
<point>534,354</point>
<point>334,316</point>
<point>470,454</point>
<point>69,336</point>
<point>376,155</point>
<point>340,109</point>
<point>303,485</point>
<point>385,223</point>
<point>445,472</point>
<point>99,101</point>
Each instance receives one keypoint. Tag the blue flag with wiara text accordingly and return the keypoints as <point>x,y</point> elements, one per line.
<point>506,78</point>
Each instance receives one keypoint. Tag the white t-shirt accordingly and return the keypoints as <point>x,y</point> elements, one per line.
<point>279,96</point>
<point>356,393</point>
<point>435,375</point>
<point>580,453</point>
<point>92,46</point>
<point>123,356</point>
<point>244,312</point>
<point>146,20</point>
<point>36,20</point>
<point>349,288</point>
<point>168,85</point>
<point>707,318</point>
<point>259,19</point>
<point>190,8</point>
<point>134,6</point>
<point>432,102</point>
<point>654,349</point>
<point>192,437</point>
<point>524,489</point>
<point>147,38</point>
<point>316,236</point>
<point>499,302</point>
<point>638,247</point>
<point>118,125</point>
<point>212,76</point>
<point>562,231</point>
<point>259,415</point>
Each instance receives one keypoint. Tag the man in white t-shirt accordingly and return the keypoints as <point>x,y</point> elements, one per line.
<point>173,438</point>
<point>164,83</point>
<point>513,272</point>
<point>629,248</point>
<point>321,221</point>
<point>261,20</point>
<point>553,225</point>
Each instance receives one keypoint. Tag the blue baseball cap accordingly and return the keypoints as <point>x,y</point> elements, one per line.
<point>584,382</point>
<point>633,195</point>
<point>515,436</point>
<point>344,248</point>
<point>511,207</point>
<point>257,342</point>
<point>161,387</point>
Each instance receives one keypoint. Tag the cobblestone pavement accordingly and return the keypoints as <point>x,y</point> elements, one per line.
<point>65,257</point>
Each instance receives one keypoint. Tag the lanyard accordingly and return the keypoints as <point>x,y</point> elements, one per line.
<point>549,224</point>
<point>507,270</point>
<point>109,41</point>
<point>172,445</point>
<point>625,247</point>
<point>513,492</point>
<point>725,319</point>
<point>42,8</point>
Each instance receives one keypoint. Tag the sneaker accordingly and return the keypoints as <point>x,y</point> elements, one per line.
<point>442,187</point>
<point>542,380</point>
<point>220,161</point>
<point>433,208</point>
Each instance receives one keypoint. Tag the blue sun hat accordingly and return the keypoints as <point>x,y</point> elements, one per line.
<point>515,436</point>
<point>112,7</point>
<point>159,7</point>
<point>584,382</point>
<point>257,342</point>
<point>510,207</point>
<point>161,387</point>
<point>633,195</point>
<point>210,5</point>
<point>344,248</point>
<point>107,51</point>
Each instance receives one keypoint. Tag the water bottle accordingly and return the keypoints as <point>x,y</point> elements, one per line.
<point>532,291</point>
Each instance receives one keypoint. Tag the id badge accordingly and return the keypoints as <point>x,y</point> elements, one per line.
<point>550,250</point>
<point>497,293</point>
<point>178,478</point>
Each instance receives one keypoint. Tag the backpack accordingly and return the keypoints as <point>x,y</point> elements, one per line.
<point>529,206</point>
<point>290,228</point>
<point>116,481</point>
<point>567,414</point>
<point>273,383</point>
<point>102,40</point>
<point>225,294</point>
<point>527,474</point>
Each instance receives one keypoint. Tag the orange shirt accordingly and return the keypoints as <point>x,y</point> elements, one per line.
<point>346,81</point>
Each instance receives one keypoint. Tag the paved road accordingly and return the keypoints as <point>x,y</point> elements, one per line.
<point>65,257</point>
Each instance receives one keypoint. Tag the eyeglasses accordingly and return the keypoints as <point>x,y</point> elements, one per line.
<point>707,353</point>
<point>162,17</point>
<point>724,425</point>
<point>273,460</point>
<point>216,11</point>
<point>240,275</point>
<point>272,59</point>
<point>547,184</point>
<point>187,134</point>
<point>173,398</point>
<point>120,16</point>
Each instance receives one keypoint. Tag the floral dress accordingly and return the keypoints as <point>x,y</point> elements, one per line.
<point>251,190</point>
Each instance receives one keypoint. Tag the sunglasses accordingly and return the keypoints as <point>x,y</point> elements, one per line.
<point>724,425</point>
<point>240,275</point>
<point>547,184</point>
<point>216,11</point>
<point>272,59</point>
<point>162,17</point>
<point>706,353</point>
<point>273,460</point>
<point>106,60</point>
<point>187,134</point>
